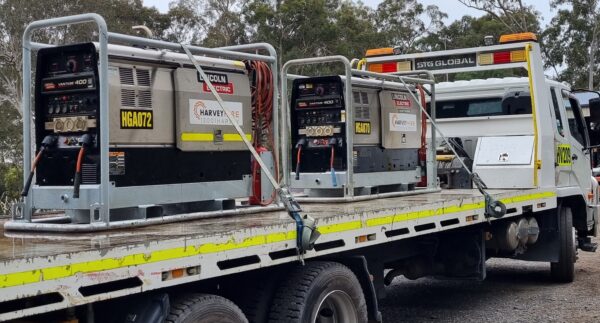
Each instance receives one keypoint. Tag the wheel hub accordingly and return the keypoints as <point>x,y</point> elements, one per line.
<point>336,307</point>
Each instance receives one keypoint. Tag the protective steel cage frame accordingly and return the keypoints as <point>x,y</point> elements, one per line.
<point>413,77</point>
<point>100,197</point>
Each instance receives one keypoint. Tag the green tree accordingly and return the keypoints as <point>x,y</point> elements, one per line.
<point>513,14</point>
<point>297,28</point>
<point>401,24</point>
<point>187,23</point>
<point>571,42</point>
<point>466,32</point>
<point>226,26</point>
<point>355,30</point>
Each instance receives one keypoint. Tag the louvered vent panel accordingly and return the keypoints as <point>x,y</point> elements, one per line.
<point>128,98</point>
<point>126,75</point>
<point>137,93</point>
<point>143,77</point>
<point>145,99</point>
<point>365,97</point>
<point>89,174</point>
<point>366,113</point>
<point>361,112</point>
<point>356,97</point>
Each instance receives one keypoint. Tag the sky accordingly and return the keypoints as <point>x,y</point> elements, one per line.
<point>453,8</point>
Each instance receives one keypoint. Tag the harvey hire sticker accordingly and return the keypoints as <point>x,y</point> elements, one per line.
<point>209,112</point>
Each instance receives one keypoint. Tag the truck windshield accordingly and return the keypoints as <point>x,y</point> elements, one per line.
<point>509,105</point>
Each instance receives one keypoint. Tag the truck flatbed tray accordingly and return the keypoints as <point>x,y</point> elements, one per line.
<point>83,268</point>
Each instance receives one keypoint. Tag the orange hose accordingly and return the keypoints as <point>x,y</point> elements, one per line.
<point>36,160</point>
<point>79,160</point>
<point>332,157</point>
<point>262,113</point>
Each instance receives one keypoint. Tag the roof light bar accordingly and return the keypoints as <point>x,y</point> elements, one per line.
<point>513,38</point>
<point>379,52</point>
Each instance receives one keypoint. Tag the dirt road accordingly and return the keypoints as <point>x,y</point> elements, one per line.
<point>513,292</point>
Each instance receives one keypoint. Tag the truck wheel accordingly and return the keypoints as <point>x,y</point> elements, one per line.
<point>254,296</point>
<point>320,292</point>
<point>203,308</point>
<point>564,270</point>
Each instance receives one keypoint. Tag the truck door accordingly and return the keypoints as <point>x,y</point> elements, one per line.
<point>581,166</point>
<point>593,124</point>
<point>562,148</point>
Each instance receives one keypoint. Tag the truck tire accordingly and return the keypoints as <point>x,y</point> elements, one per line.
<point>204,308</point>
<point>563,271</point>
<point>255,301</point>
<point>319,292</point>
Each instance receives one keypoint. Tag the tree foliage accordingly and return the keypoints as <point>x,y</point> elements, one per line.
<point>571,41</point>
<point>402,25</point>
<point>515,15</point>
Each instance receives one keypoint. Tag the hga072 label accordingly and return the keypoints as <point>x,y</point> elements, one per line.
<point>137,119</point>
<point>362,128</point>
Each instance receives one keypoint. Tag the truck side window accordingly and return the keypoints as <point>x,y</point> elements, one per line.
<point>557,115</point>
<point>576,125</point>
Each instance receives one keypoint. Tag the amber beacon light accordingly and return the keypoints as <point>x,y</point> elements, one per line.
<point>514,38</point>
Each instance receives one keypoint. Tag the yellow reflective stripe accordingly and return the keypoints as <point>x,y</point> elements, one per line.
<point>340,227</point>
<point>380,221</point>
<point>197,136</point>
<point>50,273</point>
<point>399,217</point>
<point>523,198</point>
<point>187,136</point>
<point>235,137</point>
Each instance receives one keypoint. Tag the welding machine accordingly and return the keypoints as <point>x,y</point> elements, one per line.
<point>172,149</point>
<point>386,134</point>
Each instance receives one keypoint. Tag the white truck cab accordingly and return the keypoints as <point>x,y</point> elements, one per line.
<point>515,132</point>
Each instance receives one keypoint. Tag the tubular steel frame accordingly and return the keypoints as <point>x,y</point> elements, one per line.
<point>348,73</point>
<point>98,198</point>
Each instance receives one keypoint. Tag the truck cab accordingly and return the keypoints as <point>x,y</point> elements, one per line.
<point>522,131</point>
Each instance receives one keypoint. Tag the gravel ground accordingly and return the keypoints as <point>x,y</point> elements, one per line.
<point>514,291</point>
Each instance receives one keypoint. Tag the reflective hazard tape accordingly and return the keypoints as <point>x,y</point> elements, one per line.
<point>210,137</point>
<point>57,272</point>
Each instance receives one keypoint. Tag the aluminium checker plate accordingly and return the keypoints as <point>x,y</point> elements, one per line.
<point>37,264</point>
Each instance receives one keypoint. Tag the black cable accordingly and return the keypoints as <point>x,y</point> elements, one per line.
<point>47,143</point>
<point>299,146</point>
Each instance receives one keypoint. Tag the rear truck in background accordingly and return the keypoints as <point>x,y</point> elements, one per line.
<point>254,267</point>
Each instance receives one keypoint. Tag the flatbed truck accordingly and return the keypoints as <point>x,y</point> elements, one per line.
<point>44,272</point>
<point>240,268</point>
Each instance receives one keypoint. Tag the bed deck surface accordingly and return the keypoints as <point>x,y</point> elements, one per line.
<point>23,245</point>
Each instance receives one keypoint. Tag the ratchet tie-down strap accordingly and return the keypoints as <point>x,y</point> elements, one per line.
<point>306,231</point>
